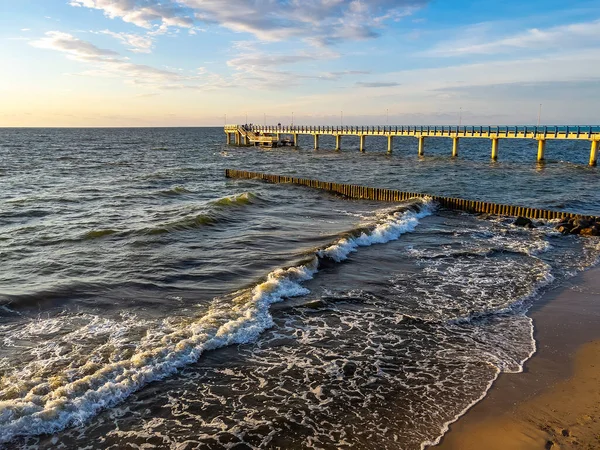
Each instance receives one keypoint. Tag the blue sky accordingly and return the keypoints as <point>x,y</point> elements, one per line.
<point>193,62</point>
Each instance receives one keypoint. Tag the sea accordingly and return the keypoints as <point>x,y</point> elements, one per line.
<point>149,302</point>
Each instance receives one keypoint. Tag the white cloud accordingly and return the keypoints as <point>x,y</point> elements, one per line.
<point>66,43</point>
<point>143,14</point>
<point>561,67</point>
<point>320,22</point>
<point>109,63</point>
<point>137,43</point>
<point>25,29</point>
<point>571,36</point>
<point>261,69</point>
<point>377,84</point>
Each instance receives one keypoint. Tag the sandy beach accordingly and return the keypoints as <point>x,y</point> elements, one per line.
<point>555,402</point>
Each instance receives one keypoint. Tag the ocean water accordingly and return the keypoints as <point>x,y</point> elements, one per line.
<point>146,301</point>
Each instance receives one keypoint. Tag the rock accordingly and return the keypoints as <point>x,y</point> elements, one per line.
<point>349,368</point>
<point>589,232</point>
<point>549,445</point>
<point>523,222</point>
<point>564,229</point>
<point>566,433</point>
<point>576,230</point>
<point>583,223</point>
<point>314,304</point>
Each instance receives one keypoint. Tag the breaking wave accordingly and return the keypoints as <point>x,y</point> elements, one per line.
<point>58,389</point>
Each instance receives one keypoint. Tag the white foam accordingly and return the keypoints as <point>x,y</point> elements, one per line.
<point>39,402</point>
<point>395,225</point>
<point>43,407</point>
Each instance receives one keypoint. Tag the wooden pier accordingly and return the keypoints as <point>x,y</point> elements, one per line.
<point>271,136</point>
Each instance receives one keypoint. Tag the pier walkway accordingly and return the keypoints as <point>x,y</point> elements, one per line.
<point>272,135</point>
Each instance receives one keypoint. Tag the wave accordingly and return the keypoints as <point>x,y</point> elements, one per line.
<point>235,200</point>
<point>42,398</point>
<point>212,214</point>
<point>397,224</point>
<point>95,234</point>
<point>177,190</point>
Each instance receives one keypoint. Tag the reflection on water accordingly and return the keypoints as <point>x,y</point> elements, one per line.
<point>132,269</point>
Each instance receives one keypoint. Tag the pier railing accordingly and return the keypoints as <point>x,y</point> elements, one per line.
<point>392,195</point>
<point>516,131</point>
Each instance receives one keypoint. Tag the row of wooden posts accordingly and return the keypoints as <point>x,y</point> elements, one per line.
<point>392,195</point>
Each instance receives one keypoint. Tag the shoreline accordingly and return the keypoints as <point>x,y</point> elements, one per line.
<point>554,402</point>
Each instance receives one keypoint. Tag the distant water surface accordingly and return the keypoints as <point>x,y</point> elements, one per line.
<point>145,300</point>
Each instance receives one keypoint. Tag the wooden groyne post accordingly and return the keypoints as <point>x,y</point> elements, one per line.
<point>392,195</point>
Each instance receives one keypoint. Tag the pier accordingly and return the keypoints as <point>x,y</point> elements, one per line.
<point>272,136</point>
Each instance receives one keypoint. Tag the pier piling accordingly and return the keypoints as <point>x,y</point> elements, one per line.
<point>541,149</point>
<point>495,149</point>
<point>454,147</point>
<point>594,153</point>
<point>421,145</point>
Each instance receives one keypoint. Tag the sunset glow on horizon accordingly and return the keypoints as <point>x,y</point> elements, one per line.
<point>116,63</point>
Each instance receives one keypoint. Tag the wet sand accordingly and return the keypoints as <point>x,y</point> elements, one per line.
<point>555,402</point>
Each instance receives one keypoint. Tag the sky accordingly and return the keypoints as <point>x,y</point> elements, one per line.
<point>120,63</point>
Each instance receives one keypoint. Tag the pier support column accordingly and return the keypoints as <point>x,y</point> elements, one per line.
<point>295,139</point>
<point>495,149</point>
<point>228,137</point>
<point>454,147</point>
<point>316,141</point>
<point>338,141</point>
<point>421,145</point>
<point>238,139</point>
<point>278,137</point>
<point>594,153</point>
<point>362,142</point>
<point>541,148</point>
<point>390,144</point>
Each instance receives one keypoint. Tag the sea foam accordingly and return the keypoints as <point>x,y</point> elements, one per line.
<point>34,401</point>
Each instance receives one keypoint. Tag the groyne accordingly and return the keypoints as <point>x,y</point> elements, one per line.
<point>392,195</point>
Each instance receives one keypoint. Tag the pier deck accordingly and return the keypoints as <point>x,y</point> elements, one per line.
<point>257,134</point>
